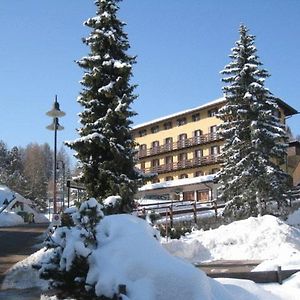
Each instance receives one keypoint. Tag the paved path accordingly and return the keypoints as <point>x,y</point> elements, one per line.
<point>16,243</point>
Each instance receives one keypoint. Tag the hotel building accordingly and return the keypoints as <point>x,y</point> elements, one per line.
<point>183,149</point>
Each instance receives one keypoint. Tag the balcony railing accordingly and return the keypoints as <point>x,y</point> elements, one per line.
<point>184,164</point>
<point>194,141</point>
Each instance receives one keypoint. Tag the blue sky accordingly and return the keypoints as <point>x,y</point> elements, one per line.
<point>181,45</point>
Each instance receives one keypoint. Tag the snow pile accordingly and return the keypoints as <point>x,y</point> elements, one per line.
<point>10,219</point>
<point>129,253</point>
<point>258,238</point>
<point>294,218</point>
<point>5,194</point>
<point>23,276</point>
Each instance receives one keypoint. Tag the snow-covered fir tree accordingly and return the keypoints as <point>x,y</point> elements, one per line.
<point>67,265</point>
<point>255,139</point>
<point>105,147</point>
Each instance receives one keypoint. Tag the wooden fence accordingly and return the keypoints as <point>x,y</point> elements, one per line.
<point>171,209</point>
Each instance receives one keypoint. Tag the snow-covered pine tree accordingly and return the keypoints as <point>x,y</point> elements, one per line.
<point>255,140</point>
<point>67,265</point>
<point>105,148</point>
<point>15,170</point>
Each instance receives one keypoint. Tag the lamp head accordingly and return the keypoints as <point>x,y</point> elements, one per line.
<point>55,125</point>
<point>55,112</point>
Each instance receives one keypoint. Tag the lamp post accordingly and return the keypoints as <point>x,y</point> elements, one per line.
<point>55,113</point>
<point>63,167</point>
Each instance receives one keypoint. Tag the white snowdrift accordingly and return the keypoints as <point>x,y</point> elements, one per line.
<point>10,219</point>
<point>23,276</point>
<point>294,218</point>
<point>259,238</point>
<point>129,254</point>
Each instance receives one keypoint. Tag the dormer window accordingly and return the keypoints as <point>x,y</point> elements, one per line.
<point>212,112</point>
<point>181,121</point>
<point>155,129</point>
<point>196,117</point>
<point>168,125</point>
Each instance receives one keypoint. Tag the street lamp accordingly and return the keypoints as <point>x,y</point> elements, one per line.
<point>55,113</point>
<point>63,167</point>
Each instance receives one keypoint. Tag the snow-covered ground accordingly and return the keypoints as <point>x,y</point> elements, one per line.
<point>259,238</point>
<point>129,254</point>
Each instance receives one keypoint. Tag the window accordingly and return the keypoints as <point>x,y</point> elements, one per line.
<point>169,178</point>
<point>155,129</point>
<point>212,112</point>
<point>143,150</point>
<point>213,132</point>
<point>196,117</point>
<point>155,144</point>
<point>181,121</point>
<point>182,157</point>
<point>182,137</point>
<point>169,140</point>
<point>169,160</point>
<point>198,173</point>
<point>203,195</point>
<point>169,143</point>
<point>197,132</point>
<point>197,136</point>
<point>143,166</point>
<point>198,153</point>
<point>155,180</point>
<point>189,196</point>
<point>142,132</point>
<point>155,163</point>
<point>168,125</point>
<point>182,140</point>
<point>213,128</point>
<point>214,150</point>
<point>182,176</point>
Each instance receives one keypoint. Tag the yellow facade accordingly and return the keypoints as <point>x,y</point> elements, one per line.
<point>178,158</point>
<point>185,144</point>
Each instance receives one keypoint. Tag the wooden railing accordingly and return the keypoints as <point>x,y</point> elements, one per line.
<point>183,164</point>
<point>194,141</point>
<point>168,210</point>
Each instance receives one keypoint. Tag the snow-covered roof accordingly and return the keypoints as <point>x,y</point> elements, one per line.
<point>178,182</point>
<point>5,194</point>
<point>288,110</point>
<point>219,100</point>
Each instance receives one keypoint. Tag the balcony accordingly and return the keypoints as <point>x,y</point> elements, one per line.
<point>194,141</point>
<point>184,164</point>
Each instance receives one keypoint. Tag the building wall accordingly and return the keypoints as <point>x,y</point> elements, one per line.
<point>156,132</point>
<point>204,124</point>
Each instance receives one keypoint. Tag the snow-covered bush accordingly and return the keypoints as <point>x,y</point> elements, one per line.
<point>72,243</point>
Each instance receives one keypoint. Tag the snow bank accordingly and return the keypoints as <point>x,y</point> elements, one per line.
<point>129,253</point>
<point>294,218</point>
<point>10,219</point>
<point>5,194</point>
<point>258,238</point>
<point>23,276</point>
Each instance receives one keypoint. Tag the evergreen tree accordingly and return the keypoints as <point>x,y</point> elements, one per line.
<point>15,169</point>
<point>66,267</point>
<point>4,162</point>
<point>105,147</point>
<point>255,140</point>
